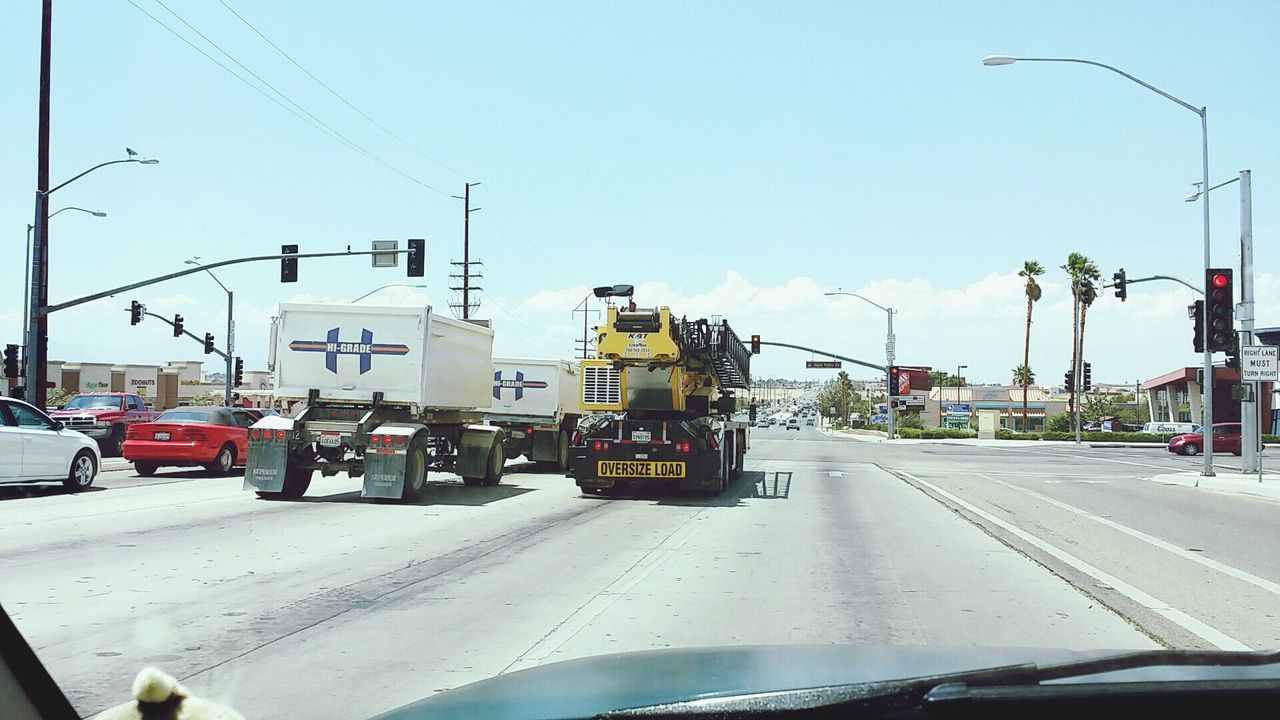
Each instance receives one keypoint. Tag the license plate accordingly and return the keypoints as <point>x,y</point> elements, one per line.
<point>639,469</point>
<point>330,440</point>
<point>162,436</point>
<point>517,433</point>
<point>640,435</point>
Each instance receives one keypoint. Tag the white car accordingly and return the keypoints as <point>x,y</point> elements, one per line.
<point>34,448</point>
<point>793,423</point>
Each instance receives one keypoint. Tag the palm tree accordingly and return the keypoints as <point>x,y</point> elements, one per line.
<point>1074,268</point>
<point>1030,270</point>
<point>1089,277</point>
<point>1023,376</point>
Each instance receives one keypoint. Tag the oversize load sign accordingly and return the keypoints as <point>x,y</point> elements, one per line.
<point>823,364</point>
<point>1259,363</point>
<point>639,469</point>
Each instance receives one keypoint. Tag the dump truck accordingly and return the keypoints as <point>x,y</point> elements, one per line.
<point>661,392</point>
<point>383,393</point>
<point>535,402</point>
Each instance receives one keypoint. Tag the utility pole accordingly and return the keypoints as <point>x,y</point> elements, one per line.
<point>466,263</point>
<point>586,337</point>
<point>38,336</point>
<point>1249,411</point>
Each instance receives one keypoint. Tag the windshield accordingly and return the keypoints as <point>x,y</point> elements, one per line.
<point>463,339</point>
<point>87,402</point>
<point>184,416</point>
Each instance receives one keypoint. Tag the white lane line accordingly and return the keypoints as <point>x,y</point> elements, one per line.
<point>1197,627</point>
<point>1259,582</point>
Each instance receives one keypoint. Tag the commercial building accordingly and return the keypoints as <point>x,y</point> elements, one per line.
<point>177,382</point>
<point>959,406</point>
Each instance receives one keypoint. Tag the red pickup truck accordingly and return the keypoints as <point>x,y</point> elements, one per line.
<point>105,417</point>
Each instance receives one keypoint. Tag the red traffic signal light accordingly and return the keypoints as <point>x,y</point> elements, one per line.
<point>1220,279</point>
<point>895,374</point>
<point>755,344</point>
<point>1220,330</point>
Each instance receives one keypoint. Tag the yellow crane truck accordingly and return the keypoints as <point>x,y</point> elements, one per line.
<point>660,390</point>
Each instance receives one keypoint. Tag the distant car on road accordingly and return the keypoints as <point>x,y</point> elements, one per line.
<point>1226,438</point>
<point>793,423</point>
<point>215,437</point>
<point>809,421</point>
<point>34,447</point>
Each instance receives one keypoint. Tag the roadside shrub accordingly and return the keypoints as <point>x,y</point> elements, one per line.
<point>1270,438</point>
<point>1097,436</point>
<point>880,427</point>
<point>1005,434</point>
<point>911,421</point>
<point>909,432</point>
<point>1059,423</point>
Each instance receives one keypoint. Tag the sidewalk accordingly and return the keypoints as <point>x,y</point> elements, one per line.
<point>877,436</point>
<point>1226,481</point>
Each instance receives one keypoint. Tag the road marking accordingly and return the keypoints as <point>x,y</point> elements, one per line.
<point>1197,627</point>
<point>1085,482</point>
<point>1259,582</point>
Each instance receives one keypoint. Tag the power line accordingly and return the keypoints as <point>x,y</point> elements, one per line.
<point>336,94</point>
<point>330,130</point>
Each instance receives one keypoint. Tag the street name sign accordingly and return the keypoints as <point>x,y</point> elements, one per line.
<point>1259,363</point>
<point>823,364</point>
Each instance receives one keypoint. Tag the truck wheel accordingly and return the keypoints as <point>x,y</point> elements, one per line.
<point>80,477</point>
<point>562,452</point>
<point>114,445</point>
<point>740,454</point>
<point>493,473</point>
<point>296,482</point>
<point>145,469</point>
<point>222,462</point>
<point>415,471</point>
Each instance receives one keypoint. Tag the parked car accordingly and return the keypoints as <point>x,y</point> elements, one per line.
<point>214,437</point>
<point>34,447</point>
<point>105,417</point>
<point>1226,438</point>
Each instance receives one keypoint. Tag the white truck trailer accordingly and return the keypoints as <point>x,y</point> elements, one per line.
<point>383,393</point>
<point>535,402</point>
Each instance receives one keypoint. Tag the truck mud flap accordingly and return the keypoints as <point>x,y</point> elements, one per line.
<point>546,445</point>
<point>265,468</point>
<point>384,474</point>
<point>473,450</point>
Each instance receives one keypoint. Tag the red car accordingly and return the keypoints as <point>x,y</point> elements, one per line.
<point>1226,438</point>
<point>215,437</point>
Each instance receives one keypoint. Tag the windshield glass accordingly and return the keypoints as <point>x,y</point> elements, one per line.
<point>86,402</point>
<point>463,339</point>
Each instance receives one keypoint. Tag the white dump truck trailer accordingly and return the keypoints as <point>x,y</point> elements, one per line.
<point>383,393</point>
<point>535,402</point>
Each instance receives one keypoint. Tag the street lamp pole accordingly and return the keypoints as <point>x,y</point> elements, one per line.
<point>230,331</point>
<point>26,271</point>
<point>384,287</point>
<point>890,343</point>
<point>1207,415</point>
<point>38,291</point>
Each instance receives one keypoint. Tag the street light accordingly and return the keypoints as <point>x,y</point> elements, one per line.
<point>384,287</point>
<point>997,60</point>
<point>37,321</point>
<point>230,329</point>
<point>888,356</point>
<point>959,381</point>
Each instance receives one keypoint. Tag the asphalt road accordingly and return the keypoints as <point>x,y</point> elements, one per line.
<point>337,607</point>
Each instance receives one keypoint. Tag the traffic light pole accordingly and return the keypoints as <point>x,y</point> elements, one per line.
<point>1250,423</point>
<point>230,349</point>
<point>200,340</point>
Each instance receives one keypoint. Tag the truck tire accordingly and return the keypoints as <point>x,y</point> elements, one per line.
<point>561,463</point>
<point>113,446</point>
<point>739,454</point>
<point>296,482</point>
<point>80,476</point>
<point>493,470</point>
<point>415,471</point>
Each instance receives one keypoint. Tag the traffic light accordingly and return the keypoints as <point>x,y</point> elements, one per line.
<point>1088,377</point>
<point>208,343</point>
<point>1197,313</point>
<point>1233,352</point>
<point>1118,281</point>
<point>752,413</point>
<point>288,266</point>
<point>1069,380</point>
<point>755,344</point>
<point>239,376</point>
<point>1218,294</point>
<point>11,361</point>
<point>417,261</point>
<point>177,326</point>
<point>894,374</point>
<point>135,312</point>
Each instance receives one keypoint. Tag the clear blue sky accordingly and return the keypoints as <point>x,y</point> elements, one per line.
<point>730,157</point>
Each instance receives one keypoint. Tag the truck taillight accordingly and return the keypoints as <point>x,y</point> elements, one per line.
<point>597,446</point>
<point>375,439</point>
<point>399,439</point>
<point>254,434</point>
<point>683,447</point>
<point>386,440</point>
<point>528,431</point>
<point>279,434</point>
